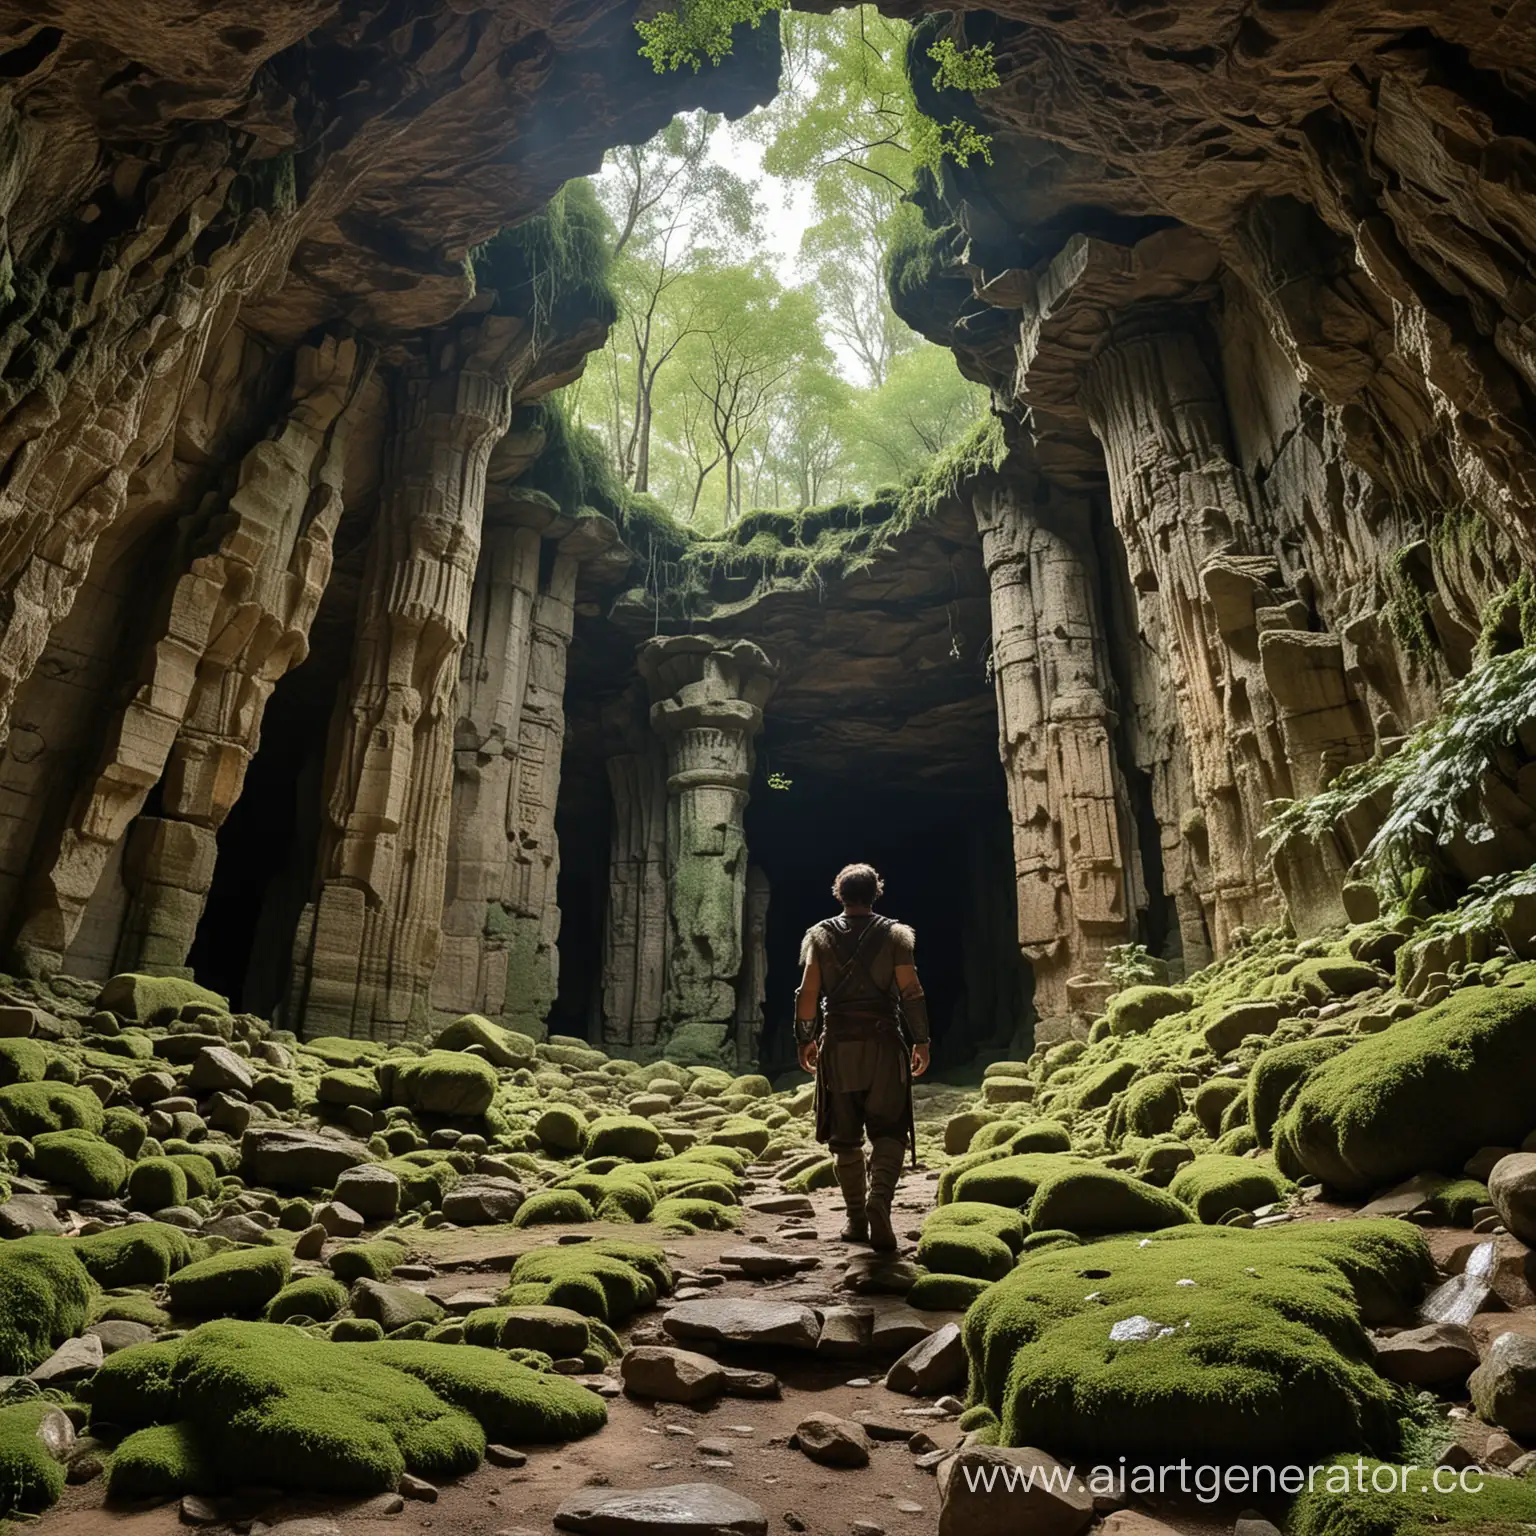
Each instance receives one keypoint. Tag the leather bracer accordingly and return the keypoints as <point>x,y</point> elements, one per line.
<point>915,1011</point>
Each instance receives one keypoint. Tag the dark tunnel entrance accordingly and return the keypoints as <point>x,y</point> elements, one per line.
<point>947,863</point>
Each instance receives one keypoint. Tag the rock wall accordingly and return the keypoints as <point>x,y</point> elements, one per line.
<point>1253,290</point>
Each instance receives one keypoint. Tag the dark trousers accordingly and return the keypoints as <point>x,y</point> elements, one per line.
<point>861,1088</point>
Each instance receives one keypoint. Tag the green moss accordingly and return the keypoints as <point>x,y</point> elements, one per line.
<point>1326,977</point>
<point>744,1132</point>
<point>1097,1085</point>
<point>338,1051</point>
<point>1215,1185</point>
<point>84,1163</point>
<point>1135,1010</point>
<point>202,1177</point>
<point>555,1331</point>
<point>945,1293</point>
<point>1147,1108</point>
<point>971,1238</point>
<point>156,1184</point>
<point>1423,1095</point>
<point>366,1261</point>
<point>22,1061</point>
<point>141,999</point>
<point>623,1195</point>
<point>1277,1075</point>
<point>357,1330</point>
<point>315,1296</point>
<point>821,1174</point>
<point>31,1109</point>
<point>1008,1181</point>
<point>687,1214</point>
<point>502,1047</point>
<point>1041,1136</point>
<point>1212,1098</point>
<point>553,1205</point>
<point>238,1283</point>
<point>592,1279</point>
<point>1239,1140</point>
<point>45,1297</point>
<point>1456,1201</point>
<point>1087,1199</point>
<point>1265,1355</point>
<point>141,1253</point>
<point>30,1479</point>
<point>161,1462</point>
<point>135,1307</point>
<point>124,1130</point>
<point>1340,1501</point>
<point>422,1182</point>
<point>560,1128</point>
<point>447,1083</point>
<point>622,1136</point>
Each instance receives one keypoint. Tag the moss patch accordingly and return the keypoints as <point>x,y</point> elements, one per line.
<point>238,1283</point>
<point>1261,1357</point>
<point>1086,1199</point>
<point>30,1479</point>
<point>45,1297</point>
<point>1424,1094</point>
<point>553,1205</point>
<point>1213,1186</point>
<point>1336,1506</point>
<point>141,1253</point>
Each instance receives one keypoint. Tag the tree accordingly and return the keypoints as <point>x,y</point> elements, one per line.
<point>923,406</point>
<point>752,334</point>
<point>670,204</point>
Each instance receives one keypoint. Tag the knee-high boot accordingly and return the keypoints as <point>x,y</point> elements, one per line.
<point>849,1167</point>
<point>884,1171</point>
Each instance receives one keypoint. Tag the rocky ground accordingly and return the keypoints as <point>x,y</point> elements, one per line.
<point>1277,1215</point>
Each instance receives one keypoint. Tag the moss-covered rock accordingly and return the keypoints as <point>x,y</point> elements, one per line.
<point>31,1479</point>
<point>1136,1009</point>
<point>1087,1199</point>
<point>1007,1181</point>
<point>31,1109</point>
<point>450,1083</point>
<point>259,1404</point>
<point>91,1167</point>
<point>550,1206</point>
<point>560,1128</point>
<point>1214,1186</point>
<point>238,1283</point>
<point>608,1281</point>
<point>141,1253</point>
<point>1329,976</point>
<point>743,1132</point>
<point>1247,1345</point>
<point>315,1296</point>
<point>502,1047</point>
<point>124,1130</point>
<point>1147,1108</point>
<point>622,1136</point>
<point>22,1061</point>
<point>141,999</point>
<point>945,1293</point>
<point>45,1298</point>
<point>684,1213</point>
<point>557,1331</point>
<point>1212,1099</point>
<point>971,1238</point>
<point>1425,1094</point>
<point>1277,1075</point>
<point>201,1175</point>
<point>1341,1499</point>
<point>156,1183</point>
<point>375,1260</point>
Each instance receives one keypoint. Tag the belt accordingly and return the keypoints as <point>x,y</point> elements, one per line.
<point>852,1021</point>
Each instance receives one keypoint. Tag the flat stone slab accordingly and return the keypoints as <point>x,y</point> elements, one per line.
<point>782,1205</point>
<point>683,1509</point>
<point>730,1320</point>
<point>763,1264</point>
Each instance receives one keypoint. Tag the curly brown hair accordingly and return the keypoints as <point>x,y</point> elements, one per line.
<point>858,885</point>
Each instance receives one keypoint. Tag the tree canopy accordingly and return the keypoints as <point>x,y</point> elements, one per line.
<point>729,382</point>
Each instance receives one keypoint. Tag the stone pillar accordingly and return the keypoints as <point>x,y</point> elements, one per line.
<point>1183,508</point>
<point>752,983</point>
<point>1071,840</point>
<point>233,622</point>
<point>707,706</point>
<point>635,933</point>
<point>372,940</point>
<point>471,972</point>
<point>533,869</point>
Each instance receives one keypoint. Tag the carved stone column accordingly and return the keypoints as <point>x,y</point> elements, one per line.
<point>471,972</point>
<point>635,934</point>
<point>1071,846</point>
<point>372,943</point>
<point>707,707</point>
<point>232,624</point>
<point>752,983</point>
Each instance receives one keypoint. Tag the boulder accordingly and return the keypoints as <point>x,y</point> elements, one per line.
<point>373,1192</point>
<point>141,999</point>
<point>216,1069</point>
<point>30,1216</point>
<point>729,1320</point>
<point>670,1375</point>
<point>72,1361</point>
<point>500,1046</point>
<point>1503,1387</point>
<point>831,1441</point>
<point>393,1306</point>
<point>933,1366</point>
<point>1512,1191</point>
<point>1045,1499</point>
<point>683,1509</point>
<point>1439,1354</point>
<point>482,1200</point>
<point>280,1158</point>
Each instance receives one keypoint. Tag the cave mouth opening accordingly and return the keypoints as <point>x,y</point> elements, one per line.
<point>946,858</point>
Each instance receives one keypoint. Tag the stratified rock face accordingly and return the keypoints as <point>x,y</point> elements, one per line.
<point>1253,288</point>
<point>255,430</point>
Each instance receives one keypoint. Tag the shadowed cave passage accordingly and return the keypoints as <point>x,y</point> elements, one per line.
<point>947,863</point>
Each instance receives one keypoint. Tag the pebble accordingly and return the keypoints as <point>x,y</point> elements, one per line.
<point>908,1507</point>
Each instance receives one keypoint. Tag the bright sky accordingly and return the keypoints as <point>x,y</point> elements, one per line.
<point>787,207</point>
